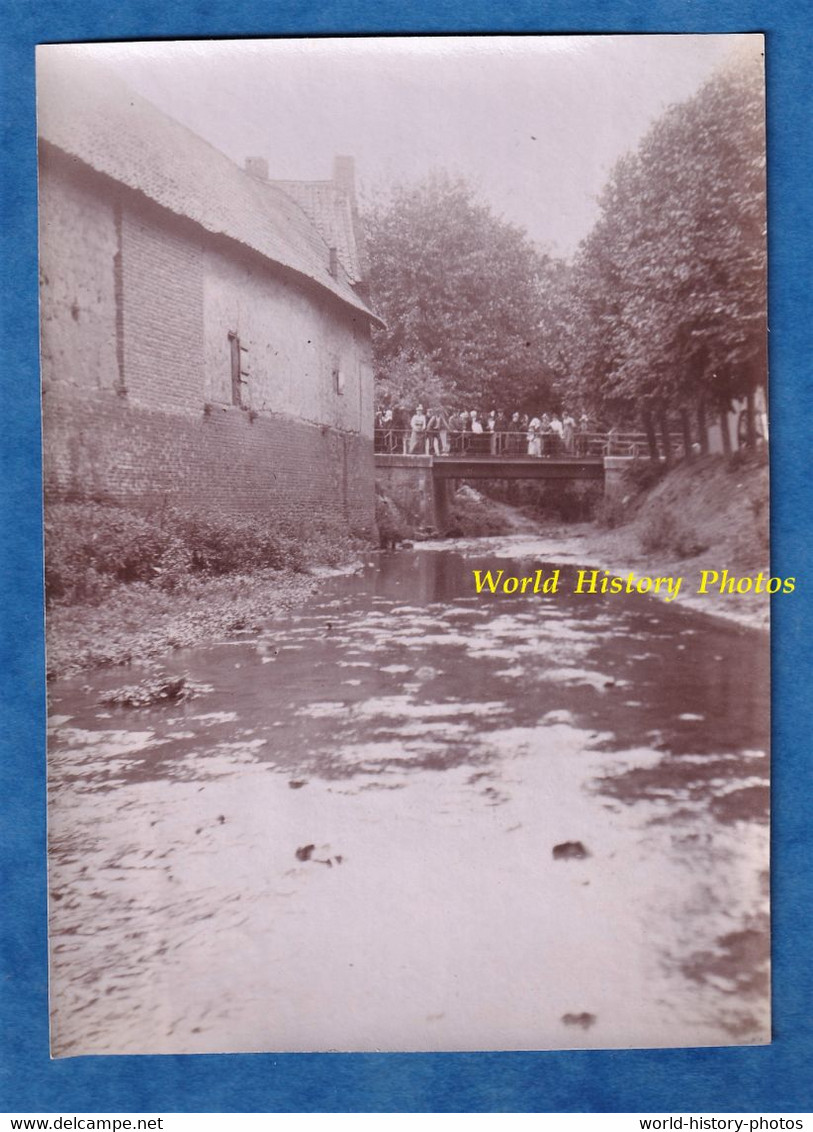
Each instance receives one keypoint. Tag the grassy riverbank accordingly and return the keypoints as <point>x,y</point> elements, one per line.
<point>141,622</point>
<point>127,587</point>
<point>711,514</point>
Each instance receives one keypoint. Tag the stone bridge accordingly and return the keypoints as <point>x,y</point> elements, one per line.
<point>420,484</point>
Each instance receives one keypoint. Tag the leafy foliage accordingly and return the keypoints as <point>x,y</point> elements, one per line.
<point>667,532</point>
<point>663,307</point>
<point>666,297</point>
<point>90,548</point>
<point>461,293</point>
<point>393,525</point>
<point>473,515</point>
<point>409,383</point>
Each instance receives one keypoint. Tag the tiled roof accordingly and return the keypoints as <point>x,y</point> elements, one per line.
<point>87,112</point>
<point>331,209</point>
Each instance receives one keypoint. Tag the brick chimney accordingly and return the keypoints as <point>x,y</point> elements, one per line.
<point>257,167</point>
<point>344,175</point>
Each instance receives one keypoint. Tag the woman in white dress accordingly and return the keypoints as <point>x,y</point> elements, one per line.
<point>535,437</point>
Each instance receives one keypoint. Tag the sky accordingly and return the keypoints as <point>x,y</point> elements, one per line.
<point>533,123</point>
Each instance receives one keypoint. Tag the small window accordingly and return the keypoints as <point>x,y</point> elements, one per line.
<point>238,371</point>
<point>338,381</point>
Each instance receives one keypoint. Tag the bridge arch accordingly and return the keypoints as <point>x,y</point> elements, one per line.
<point>420,484</point>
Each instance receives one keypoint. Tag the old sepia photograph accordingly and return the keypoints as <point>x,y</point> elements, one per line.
<point>405,450</point>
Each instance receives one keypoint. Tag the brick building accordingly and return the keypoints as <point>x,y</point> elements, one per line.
<point>205,331</point>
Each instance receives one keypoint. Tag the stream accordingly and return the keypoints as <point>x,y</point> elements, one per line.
<point>406,817</point>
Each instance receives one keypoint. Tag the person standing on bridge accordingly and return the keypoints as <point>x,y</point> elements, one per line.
<point>456,431</point>
<point>545,436</point>
<point>500,426</point>
<point>465,432</point>
<point>438,432</point>
<point>417,437</point>
<point>383,430</point>
<point>400,427</point>
<point>491,430</point>
<point>534,437</point>
<point>556,437</point>
<point>568,432</point>
<point>478,444</point>
<point>582,438</point>
<point>515,431</point>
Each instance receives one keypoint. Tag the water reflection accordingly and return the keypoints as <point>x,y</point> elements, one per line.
<point>349,842</point>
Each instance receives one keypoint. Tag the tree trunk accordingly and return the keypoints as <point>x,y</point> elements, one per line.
<point>686,425</point>
<point>663,419</point>
<point>724,433</point>
<point>651,438</point>
<point>702,430</point>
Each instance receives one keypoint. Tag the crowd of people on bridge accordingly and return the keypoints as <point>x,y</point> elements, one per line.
<point>436,432</point>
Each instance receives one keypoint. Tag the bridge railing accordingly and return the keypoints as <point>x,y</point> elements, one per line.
<point>636,444</point>
<point>509,444</point>
<point>512,444</point>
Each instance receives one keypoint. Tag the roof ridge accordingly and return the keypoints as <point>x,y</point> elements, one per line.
<point>89,112</point>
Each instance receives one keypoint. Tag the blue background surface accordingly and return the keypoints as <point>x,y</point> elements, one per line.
<point>774,1078</point>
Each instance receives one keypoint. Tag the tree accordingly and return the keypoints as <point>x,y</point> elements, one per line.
<point>461,293</point>
<point>410,383</point>
<point>668,290</point>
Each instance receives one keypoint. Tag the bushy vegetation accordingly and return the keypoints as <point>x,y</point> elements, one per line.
<point>611,512</point>
<point>393,526</point>
<point>642,475</point>
<point>573,502</point>
<point>666,533</point>
<point>557,500</point>
<point>472,515</point>
<point>92,547</point>
<point>694,509</point>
